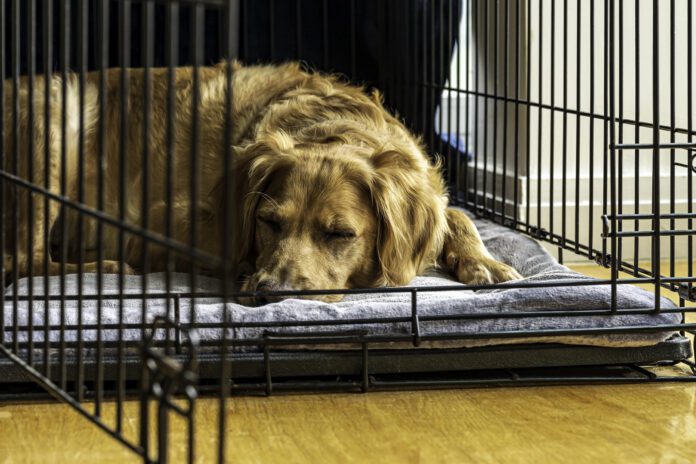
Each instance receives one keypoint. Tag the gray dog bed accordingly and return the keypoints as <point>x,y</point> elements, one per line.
<point>434,308</point>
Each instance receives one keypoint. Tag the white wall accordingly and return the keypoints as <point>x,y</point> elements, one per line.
<point>543,153</point>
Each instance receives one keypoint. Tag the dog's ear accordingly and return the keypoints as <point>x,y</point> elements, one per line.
<point>410,202</point>
<point>252,168</point>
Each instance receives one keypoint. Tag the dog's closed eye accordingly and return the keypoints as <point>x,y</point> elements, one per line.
<point>272,222</point>
<point>340,234</point>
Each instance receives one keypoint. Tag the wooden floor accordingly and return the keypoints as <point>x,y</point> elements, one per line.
<point>627,423</point>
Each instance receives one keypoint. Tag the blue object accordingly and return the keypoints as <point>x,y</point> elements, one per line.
<point>457,143</point>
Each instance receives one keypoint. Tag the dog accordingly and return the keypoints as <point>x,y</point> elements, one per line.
<point>327,189</point>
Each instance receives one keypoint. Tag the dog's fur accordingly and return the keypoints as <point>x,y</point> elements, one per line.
<point>328,189</point>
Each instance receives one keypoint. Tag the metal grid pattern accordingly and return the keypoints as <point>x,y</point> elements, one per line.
<point>502,71</point>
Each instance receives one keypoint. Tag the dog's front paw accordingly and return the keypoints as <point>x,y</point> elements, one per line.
<point>480,271</point>
<point>109,267</point>
<point>114,267</point>
<point>8,263</point>
<point>502,272</point>
<point>7,269</point>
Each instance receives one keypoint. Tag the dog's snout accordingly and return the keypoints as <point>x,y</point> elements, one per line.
<point>267,285</point>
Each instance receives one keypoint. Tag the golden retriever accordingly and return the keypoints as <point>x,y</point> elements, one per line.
<point>330,191</point>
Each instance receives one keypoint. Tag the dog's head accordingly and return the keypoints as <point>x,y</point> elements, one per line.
<point>331,215</point>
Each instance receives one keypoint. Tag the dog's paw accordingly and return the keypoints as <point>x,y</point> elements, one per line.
<point>502,272</point>
<point>480,271</point>
<point>19,265</point>
<point>109,267</point>
<point>127,270</point>
<point>7,270</point>
<point>114,267</point>
<point>8,264</point>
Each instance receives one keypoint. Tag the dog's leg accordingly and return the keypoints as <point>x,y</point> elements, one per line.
<point>25,245</point>
<point>36,260</point>
<point>465,256</point>
<point>28,235</point>
<point>180,210</point>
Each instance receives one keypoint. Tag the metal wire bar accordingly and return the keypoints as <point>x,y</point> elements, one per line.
<point>486,126</point>
<point>163,377</point>
<point>496,77</point>
<point>147,59</point>
<point>48,51</point>
<point>225,365</point>
<point>578,128</point>
<point>195,138</point>
<point>103,58</point>
<point>82,10</point>
<point>656,254</point>
<point>333,338</point>
<point>59,393</point>
<point>618,91</point>
<point>65,66</point>
<point>15,152</point>
<point>672,98</point>
<point>506,91</point>
<point>636,159</point>
<point>414,320</point>
<point>30,158</point>
<point>125,50</point>
<point>477,59</point>
<point>612,141</point>
<point>389,290</point>
<point>690,125</point>
<point>3,165</point>
<point>172,34</point>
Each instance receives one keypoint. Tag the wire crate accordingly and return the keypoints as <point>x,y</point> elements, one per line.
<point>569,122</point>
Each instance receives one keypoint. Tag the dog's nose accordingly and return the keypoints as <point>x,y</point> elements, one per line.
<point>266,286</point>
<point>269,286</point>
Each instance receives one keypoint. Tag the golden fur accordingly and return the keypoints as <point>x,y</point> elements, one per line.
<point>329,189</point>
